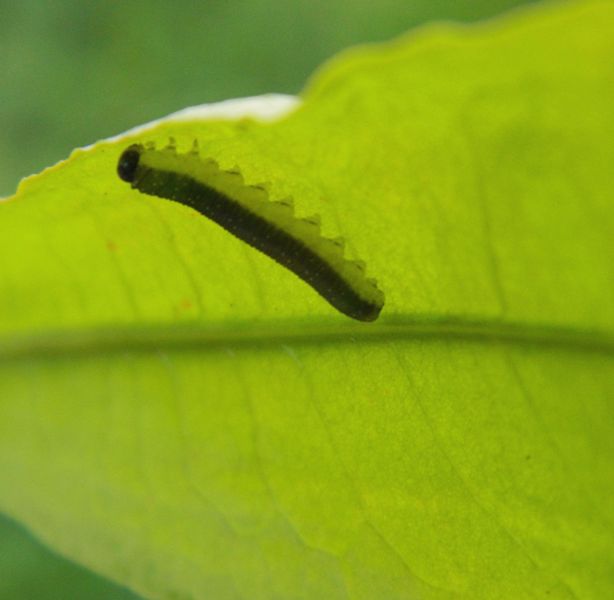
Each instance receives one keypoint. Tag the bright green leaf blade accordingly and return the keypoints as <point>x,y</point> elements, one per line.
<point>181,414</point>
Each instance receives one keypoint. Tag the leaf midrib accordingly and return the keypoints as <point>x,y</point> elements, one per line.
<point>190,336</point>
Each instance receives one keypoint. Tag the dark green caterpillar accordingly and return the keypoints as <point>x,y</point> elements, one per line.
<point>249,214</point>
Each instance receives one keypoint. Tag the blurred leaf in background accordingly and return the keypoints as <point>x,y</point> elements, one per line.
<point>30,572</point>
<point>73,72</point>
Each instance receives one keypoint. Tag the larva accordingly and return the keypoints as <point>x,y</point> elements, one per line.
<point>248,213</point>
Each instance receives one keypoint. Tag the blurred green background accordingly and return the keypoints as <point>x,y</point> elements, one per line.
<point>73,72</point>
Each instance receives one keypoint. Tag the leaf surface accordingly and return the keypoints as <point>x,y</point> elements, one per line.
<point>183,415</point>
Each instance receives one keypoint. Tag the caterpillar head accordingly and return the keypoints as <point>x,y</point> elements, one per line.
<point>129,162</point>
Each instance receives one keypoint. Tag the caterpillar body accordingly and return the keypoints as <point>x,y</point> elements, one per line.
<point>247,212</point>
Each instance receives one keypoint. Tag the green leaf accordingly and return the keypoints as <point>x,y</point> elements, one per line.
<point>183,415</point>
<point>29,571</point>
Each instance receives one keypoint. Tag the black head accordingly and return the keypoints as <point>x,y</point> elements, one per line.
<point>129,162</point>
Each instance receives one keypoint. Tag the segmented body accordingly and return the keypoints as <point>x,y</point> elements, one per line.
<point>248,213</point>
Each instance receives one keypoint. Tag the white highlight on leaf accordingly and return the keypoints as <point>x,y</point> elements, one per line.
<point>268,107</point>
